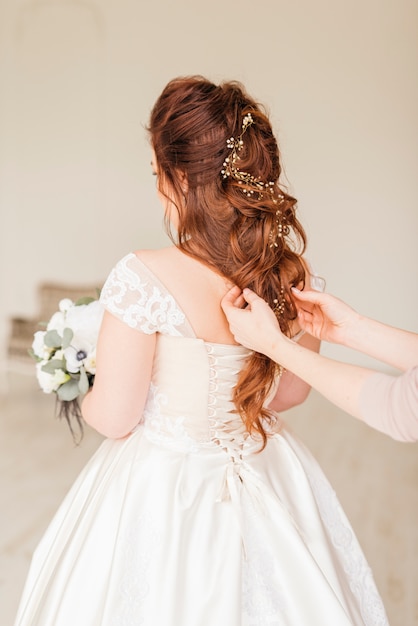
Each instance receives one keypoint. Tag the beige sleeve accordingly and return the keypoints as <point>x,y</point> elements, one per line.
<point>390,404</point>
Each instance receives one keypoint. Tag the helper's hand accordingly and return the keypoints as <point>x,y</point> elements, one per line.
<point>251,320</point>
<point>324,316</point>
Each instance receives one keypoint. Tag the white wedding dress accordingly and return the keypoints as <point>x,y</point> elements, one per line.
<point>184,523</point>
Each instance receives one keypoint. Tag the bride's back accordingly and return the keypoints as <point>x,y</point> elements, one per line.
<point>197,289</point>
<point>218,176</point>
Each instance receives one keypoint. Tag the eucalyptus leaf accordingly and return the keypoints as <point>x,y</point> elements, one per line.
<point>83,383</point>
<point>33,355</point>
<point>67,337</point>
<point>68,391</point>
<point>52,339</point>
<point>84,300</point>
<point>52,365</point>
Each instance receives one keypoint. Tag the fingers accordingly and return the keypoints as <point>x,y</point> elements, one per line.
<point>231,295</point>
<point>309,295</point>
<point>305,320</point>
<point>232,299</point>
<point>240,302</point>
<point>237,299</point>
<point>250,296</point>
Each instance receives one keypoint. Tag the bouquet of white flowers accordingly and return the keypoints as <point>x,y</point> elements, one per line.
<point>66,354</point>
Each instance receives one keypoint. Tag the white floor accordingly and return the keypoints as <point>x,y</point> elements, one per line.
<point>376,480</point>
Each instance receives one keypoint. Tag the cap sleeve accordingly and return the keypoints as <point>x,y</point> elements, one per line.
<point>132,294</point>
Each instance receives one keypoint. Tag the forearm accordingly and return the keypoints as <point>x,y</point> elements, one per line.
<point>396,347</point>
<point>113,420</point>
<point>341,383</point>
<point>294,389</point>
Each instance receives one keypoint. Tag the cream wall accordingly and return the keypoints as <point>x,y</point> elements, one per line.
<point>78,79</point>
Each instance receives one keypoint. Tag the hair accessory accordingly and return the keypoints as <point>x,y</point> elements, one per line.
<point>279,303</point>
<point>278,310</point>
<point>280,228</point>
<point>230,168</point>
<point>251,184</point>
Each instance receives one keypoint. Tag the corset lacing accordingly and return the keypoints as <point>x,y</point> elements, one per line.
<point>227,430</point>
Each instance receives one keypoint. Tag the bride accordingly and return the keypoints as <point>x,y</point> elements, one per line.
<point>199,508</point>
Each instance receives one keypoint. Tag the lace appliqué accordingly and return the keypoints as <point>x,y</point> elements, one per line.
<point>263,602</point>
<point>355,565</point>
<point>138,303</point>
<point>162,430</point>
<point>138,548</point>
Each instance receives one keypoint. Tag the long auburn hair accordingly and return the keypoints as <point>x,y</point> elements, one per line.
<point>219,223</point>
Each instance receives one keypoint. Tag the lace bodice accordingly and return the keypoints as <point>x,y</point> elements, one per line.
<point>190,399</point>
<point>136,296</point>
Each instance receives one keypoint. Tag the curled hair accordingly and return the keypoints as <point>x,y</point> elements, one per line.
<point>219,223</point>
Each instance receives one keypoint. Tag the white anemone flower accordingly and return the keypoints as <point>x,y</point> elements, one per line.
<point>90,362</point>
<point>78,353</point>
<point>84,320</point>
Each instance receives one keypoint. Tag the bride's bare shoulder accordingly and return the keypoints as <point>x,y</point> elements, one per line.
<point>153,256</point>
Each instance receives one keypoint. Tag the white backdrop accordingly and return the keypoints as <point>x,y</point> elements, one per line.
<point>78,80</point>
<point>340,77</point>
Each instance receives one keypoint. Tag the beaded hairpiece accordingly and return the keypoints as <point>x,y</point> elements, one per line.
<point>279,229</point>
<point>230,168</point>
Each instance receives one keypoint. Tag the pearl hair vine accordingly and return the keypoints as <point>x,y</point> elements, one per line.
<point>252,184</point>
<point>231,169</point>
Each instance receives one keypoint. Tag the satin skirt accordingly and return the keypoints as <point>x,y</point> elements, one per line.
<point>150,535</point>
